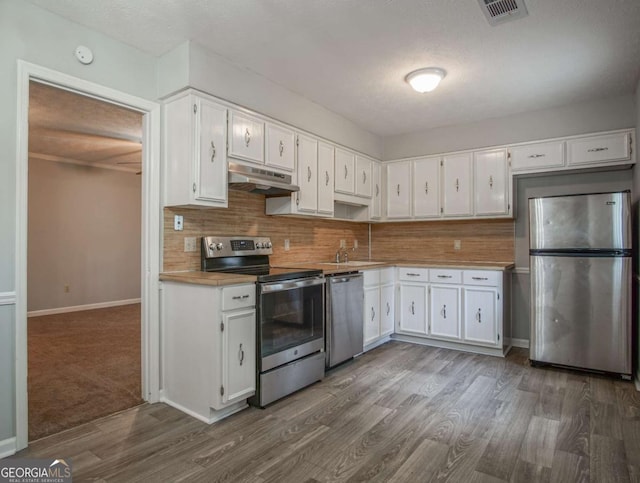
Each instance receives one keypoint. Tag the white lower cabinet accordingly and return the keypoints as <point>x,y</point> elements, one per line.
<point>238,355</point>
<point>208,348</point>
<point>379,313</point>
<point>413,309</point>
<point>371,315</point>
<point>460,309</point>
<point>444,302</point>
<point>480,315</point>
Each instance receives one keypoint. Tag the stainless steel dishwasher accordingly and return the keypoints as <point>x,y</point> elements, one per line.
<point>344,317</point>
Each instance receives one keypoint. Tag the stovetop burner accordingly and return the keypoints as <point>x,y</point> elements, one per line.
<point>246,255</point>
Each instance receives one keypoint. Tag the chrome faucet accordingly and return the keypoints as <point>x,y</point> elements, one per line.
<point>342,256</point>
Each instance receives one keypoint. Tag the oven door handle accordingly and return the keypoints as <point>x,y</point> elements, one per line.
<point>282,286</point>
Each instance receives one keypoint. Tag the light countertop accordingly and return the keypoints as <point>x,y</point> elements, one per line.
<point>220,279</point>
<point>207,278</point>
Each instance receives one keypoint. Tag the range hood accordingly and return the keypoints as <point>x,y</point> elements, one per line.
<point>259,181</point>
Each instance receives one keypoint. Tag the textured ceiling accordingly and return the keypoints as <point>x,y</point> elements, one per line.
<point>351,56</point>
<point>68,127</point>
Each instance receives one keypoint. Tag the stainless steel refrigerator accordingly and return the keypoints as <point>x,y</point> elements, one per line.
<point>580,262</point>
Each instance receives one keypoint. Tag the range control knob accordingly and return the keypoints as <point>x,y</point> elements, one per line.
<point>219,246</point>
<point>212,246</point>
<point>258,245</point>
<point>268,244</point>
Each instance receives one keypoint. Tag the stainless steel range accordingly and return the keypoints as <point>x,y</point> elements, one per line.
<point>290,314</point>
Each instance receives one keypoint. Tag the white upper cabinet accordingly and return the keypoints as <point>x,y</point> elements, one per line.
<point>345,164</point>
<point>491,182</point>
<point>307,197</point>
<point>426,187</point>
<point>596,149</point>
<point>363,176</point>
<point>326,153</point>
<point>280,144</point>
<point>246,137</point>
<point>457,189</point>
<point>536,156</point>
<point>376,192</point>
<point>195,160</point>
<point>399,190</point>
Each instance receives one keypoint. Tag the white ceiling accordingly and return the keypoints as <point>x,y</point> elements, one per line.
<point>71,128</point>
<point>351,56</point>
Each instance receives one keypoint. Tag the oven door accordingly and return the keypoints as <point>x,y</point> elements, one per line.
<point>291,320</point>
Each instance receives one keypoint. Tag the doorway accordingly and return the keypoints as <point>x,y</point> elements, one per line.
<point>83,302</point>
<point>28,75</point>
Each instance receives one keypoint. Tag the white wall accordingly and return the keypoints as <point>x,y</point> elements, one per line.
<point>84,231</point>
<point>215,75</point>
<point>601,115</point>
<point>35,35</point>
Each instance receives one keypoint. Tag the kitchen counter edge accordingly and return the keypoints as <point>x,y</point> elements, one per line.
<point>215,279</point>
<point>330,269</point>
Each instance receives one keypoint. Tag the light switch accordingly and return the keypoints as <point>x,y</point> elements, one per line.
<point>286,245</point>
<point>457,244</point>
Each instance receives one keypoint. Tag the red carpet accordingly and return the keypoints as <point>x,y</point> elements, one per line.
<point>82,366</point>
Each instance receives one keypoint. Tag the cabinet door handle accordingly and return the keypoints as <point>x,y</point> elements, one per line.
<point>388,308</point>
<point>480,278</point>
<point>308,173</point>
<point>194,187</point>
<point>445,276</point>
<point>457,185</point>
<point>597,150</point>
<point>373,314</point>
<point>241,355</point>
<point>377,189</point>
<point>479,316</point>
<point>247,137</point>
<point>364,177</point>
<point>491,182</point>
<point>398,190</point>
<point>444,311</point>
<point>536,156</point>
<point>281,148</point>
<point>326,178</point>
<point>213,151</point>
<point>426,187</point>
<point>413,308</point>
<point>346,171</point>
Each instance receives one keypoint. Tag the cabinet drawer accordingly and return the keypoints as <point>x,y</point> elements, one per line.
<point>437,275</point>
<point>371,278</point>
<point>238,296</point>
<point>536,157</point>
<point>481,277</point>
<point>386,275</point>
<point>598,149</point>
<point>413,274</point>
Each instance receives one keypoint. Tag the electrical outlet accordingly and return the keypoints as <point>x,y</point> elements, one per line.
<point>66,288</point>
<point>343,243</point>
<point>178,223</point>
<point>190,244</point>
<point>457,244</point>
<point>287,245</point>
<point>355,244</point>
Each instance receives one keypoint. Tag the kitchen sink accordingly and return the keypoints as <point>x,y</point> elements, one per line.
<point>352,264</point>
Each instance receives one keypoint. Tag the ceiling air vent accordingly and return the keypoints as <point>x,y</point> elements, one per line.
<point>500,11</point>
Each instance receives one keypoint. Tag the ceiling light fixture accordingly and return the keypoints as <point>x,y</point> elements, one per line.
<point>425,80</point>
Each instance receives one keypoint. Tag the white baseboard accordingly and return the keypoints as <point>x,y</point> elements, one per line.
<point>7,298</point>
<point>7,447</point>
<point>215,415</point>
<point>377,343</point>
<point>78,308</point>
<point>523,343</point>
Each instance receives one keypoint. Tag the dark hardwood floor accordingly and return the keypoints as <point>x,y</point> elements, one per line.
<point>401,412</point>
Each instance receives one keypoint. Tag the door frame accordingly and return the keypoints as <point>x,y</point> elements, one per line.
<point>150,229</point>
